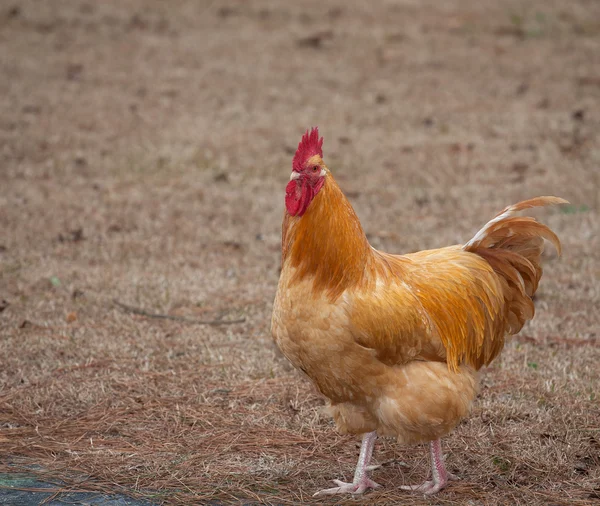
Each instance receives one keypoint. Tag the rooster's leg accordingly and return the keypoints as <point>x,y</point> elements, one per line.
<point>441,477</point>
<point>361,481</point>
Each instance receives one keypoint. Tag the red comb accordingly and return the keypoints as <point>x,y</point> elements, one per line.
<point>310,145</point>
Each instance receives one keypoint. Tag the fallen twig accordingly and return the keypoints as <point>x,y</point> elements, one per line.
<point>141,312</point>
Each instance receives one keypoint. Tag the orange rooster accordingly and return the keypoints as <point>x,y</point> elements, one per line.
<point>394,341</point>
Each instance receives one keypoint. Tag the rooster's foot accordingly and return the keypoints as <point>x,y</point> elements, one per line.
<point>357,488</point>
<point>441,477</point>
<point>431,487</point>
<point>361,482</point>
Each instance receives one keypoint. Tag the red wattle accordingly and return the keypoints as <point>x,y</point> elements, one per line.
<point>298,195</point>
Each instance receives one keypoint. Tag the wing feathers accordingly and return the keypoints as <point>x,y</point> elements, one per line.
<point>456,304</point>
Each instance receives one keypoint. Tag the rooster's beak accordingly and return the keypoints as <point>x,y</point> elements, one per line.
<point>294,175</point>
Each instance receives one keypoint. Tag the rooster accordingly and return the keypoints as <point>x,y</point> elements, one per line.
<point>395,341</point>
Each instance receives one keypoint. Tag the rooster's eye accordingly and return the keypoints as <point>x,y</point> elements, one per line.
<point>315,168</point>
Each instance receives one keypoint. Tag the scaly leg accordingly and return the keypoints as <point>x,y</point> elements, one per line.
<point>441,477</point>
<point>361,481</point>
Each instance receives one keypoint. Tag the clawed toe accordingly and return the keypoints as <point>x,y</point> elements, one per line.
<point>348,488</point>
<point>427,488</point>
<point>431,487</point>
<point>423,487</point>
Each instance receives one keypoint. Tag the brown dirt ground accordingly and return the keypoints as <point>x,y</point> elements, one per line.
<point>144,150</point>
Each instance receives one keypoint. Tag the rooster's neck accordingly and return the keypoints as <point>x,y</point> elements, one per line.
<point>327,243</point>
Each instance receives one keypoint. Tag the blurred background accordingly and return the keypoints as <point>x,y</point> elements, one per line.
<point>144,151</point>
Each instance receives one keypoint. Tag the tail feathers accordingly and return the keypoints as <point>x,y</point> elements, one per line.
<point>507,229</point>
<point>513,245</point>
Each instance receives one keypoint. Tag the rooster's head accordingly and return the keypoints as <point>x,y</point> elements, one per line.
<point>308,173</point>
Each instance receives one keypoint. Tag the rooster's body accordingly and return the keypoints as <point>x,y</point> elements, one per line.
<point>394,342</point>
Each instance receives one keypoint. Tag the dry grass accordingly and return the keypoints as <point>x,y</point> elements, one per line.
<point>144,148</point>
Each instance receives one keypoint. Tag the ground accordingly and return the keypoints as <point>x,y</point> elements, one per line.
<point>144,151</point>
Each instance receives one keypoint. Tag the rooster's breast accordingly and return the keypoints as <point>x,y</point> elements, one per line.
<point>313,333</point>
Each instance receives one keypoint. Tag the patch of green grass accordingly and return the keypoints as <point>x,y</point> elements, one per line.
<point>517,20</point>
<point>573,209</point>
<point>527,28</point>
<point>501,463</point>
